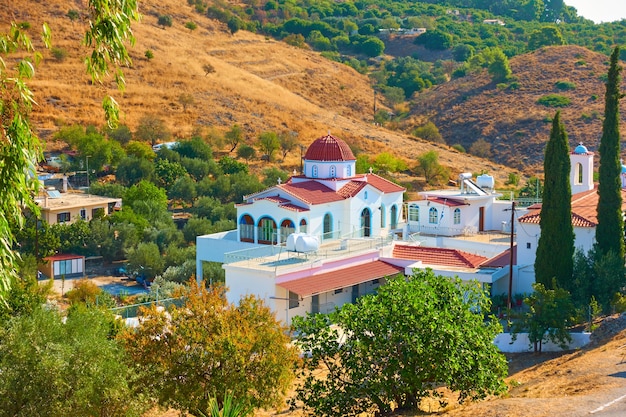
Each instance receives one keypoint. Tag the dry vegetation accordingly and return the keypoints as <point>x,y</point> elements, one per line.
<point>258,83</point>
<point>517,127</point>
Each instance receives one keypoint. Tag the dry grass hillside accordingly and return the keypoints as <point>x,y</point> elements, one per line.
<point>258,83</point>
<point>517,127</point>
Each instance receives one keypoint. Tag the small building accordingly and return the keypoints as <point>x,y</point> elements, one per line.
<point>497,22</point>
<point>59,266</point>
<point>58,207</point>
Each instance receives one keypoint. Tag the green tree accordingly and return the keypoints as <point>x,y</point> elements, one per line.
<point>146,200</point>
<point>151,129</point>
<point>288,142</point>
<point>380,351</point>
<point>549,316</point>
<point>429,166</point>
<point>183,190</point>
<point>194,148</point>
<point>56,367</point>
<point>212,348</point>
<point>546,36</point>
<point>436,40</point>
<point>166,173</point>
<point>481,148</point>
<point>234,136</point>
<point>131,170</point>
<point>140,150</point>
<point>164,20</point>
<point>499,68</point>
<point>429,132</point>
<point>234,24</point>
<point>555,251</point>
<point>146,260</point>
<point>269,143</point>
<point>610,229</point>
<point>246,152</point>
<point>271,176</point>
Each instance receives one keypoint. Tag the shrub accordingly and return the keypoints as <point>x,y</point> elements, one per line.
<point>565,85</point>
<point>59,54</point>
<point>165,20</point>
<point>459,147</point>
<point>191,25</point>
<point>554,100</point>
<point>73,15</point>
<point>149,54</point>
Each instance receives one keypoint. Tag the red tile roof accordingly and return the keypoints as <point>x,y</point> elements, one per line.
<point>311,192</point>
<point>383,185</point>
<point>351,189</point>
<point>62,257</point>
<point>584,209</point>
<point>329,148</point>
<point>342,278</point>
<point>438,256</point>
<point>502,259</point>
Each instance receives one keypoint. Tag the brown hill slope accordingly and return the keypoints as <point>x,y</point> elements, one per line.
<point>258,83</point>
<point>517,127</point>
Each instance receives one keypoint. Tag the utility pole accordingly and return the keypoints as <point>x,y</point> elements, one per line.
<point>508,303</point>
<point>87,158</point>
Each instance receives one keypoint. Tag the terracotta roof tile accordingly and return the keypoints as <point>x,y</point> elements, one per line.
<point>329,148</point>
<point>383,185</point>
<point>502,259</point>
<point>438,256</point>
<point>346,277</point>
<point>351,189</point>
<point>446,201</point>
<point>311,192</point>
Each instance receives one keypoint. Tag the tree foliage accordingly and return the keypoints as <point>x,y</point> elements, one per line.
<point>549,316</point>
<point>610,229</point>
<point>406,343</point>
<point>555,251</point>
<point>56,367</point>
<point>429,166</point>
<point>269,143</point>
<point>212,348</point>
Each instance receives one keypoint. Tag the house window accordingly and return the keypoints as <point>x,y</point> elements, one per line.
<point>333,171</point>
<point>339,291</point>
<point>314,171</point>
<point>294,300</point>
<point>376,281</point>
<point>246,228</point>
<point>328,227</point>
<point>432,215</point>
<point>394,216</point>
<point>303,226</point>
<point>83,214</point>
<point>457,216</point>
<point>527,245</point>
<point>349,170</point>
<point>414,213</point>
<point>63,217</point>
<point>579,173</point>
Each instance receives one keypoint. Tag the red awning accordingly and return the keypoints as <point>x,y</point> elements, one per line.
<point>329,281</point>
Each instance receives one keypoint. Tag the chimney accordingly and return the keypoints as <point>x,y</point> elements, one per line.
<point>64,183</point>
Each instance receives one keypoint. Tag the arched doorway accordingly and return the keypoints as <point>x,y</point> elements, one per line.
<point>246,228</point>
<point>287,227</point>
<point>366,223</point>
<point>267,231</point>
<point>394,216</point>
<point>328,227</point>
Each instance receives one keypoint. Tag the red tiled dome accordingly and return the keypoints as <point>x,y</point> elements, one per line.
<point>329,148</point>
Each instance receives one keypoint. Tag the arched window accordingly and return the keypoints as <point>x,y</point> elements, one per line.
<point>333,171</point>
<point>579,173</point>
<point>267,231</point>
<point>414,213</point>
<point>457,216</point>
<point>303,226</point>
<point>365,195</point>
<point>314,171</point>
<point>246,228</point>
<point>432,215</point>
<point>383,216</point>
<point>394,216</point>
<point>328,227</point>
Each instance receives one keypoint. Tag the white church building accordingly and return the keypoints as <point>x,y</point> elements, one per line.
<point>584,213</point>
<point>329,235</point>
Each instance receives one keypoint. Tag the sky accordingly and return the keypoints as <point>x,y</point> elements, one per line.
<point>600,10</point>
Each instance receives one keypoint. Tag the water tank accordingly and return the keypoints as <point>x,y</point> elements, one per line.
<point>485,181</point>
<point>465,176</point>
<point>306,243</point>
<point>291,241</point>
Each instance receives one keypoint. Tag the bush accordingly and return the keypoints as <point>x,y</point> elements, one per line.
<point>59,54</point>
<point>191,25</point>
<point>459,147</point>
<point>149,54</point>
<point>554,100</point>
<point>165,20</point>
<point>565,85</point>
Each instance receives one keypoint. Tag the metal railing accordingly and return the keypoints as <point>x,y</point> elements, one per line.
<point>132,310</point>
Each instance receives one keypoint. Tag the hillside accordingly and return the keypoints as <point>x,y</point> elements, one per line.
<point>258,83</point>
<point>511,120</point>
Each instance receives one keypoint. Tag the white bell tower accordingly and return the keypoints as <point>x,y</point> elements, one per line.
<point>581,173</point>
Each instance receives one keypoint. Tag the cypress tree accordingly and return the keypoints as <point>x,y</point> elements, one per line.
<point>610,229</point>
<point>555,250</point>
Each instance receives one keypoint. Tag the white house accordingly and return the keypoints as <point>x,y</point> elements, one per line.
<point>584,213</point>
<point>328,236</point>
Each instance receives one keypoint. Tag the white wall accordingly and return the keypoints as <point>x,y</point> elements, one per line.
<point>522,344</point>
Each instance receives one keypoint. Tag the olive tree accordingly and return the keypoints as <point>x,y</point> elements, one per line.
<point>416,337</point>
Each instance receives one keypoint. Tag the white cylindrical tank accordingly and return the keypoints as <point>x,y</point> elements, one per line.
<point>290,244</point>
<point>485,181</point>
<point>465,176</point>
<point>306,243</point>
